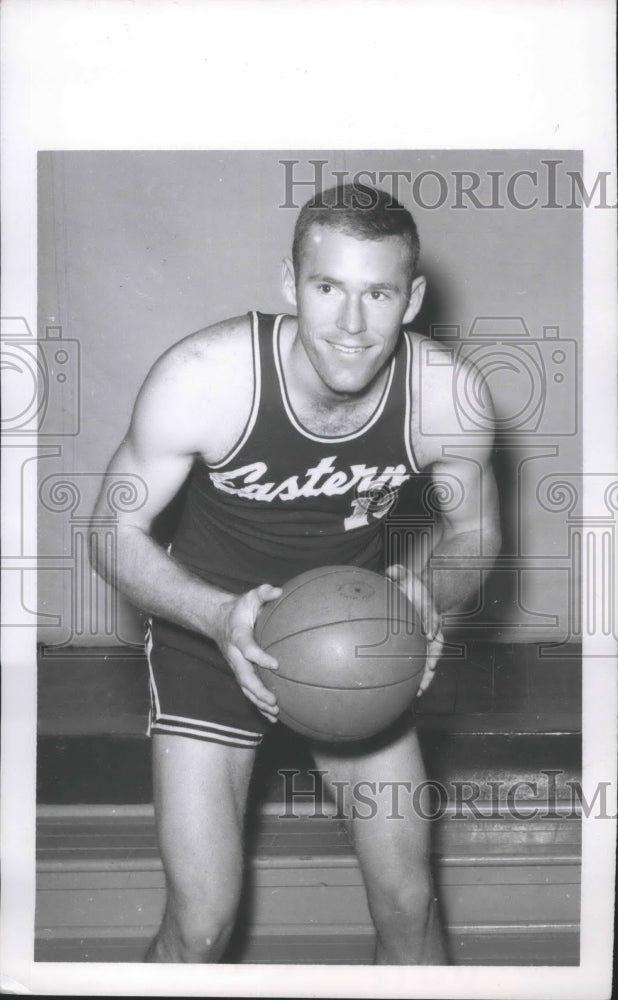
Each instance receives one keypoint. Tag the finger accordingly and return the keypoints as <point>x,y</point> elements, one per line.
<point>434,652</point>
<point>428,676</point>
<point>241,638</point>
<point>405,580</point>
<point>416,592</point>
<point>396,572</point>
<point>250,682</point>
<point>269,712</point>
<point>436,646</point>
<point>265,593</point>
<point>255,654</point>
<point>430,619</point>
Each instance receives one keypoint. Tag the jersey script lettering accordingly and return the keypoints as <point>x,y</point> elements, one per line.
<point>324,479</point>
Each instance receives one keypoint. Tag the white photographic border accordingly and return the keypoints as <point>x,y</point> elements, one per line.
<point>268,74</point>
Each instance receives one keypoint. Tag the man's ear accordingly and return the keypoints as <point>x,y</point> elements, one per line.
<point>415,301</point>
<point>288,281</point>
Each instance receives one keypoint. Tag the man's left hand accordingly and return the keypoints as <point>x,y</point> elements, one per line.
<point>417,593</point>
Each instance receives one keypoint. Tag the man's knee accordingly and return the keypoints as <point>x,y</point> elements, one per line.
<point>397,896</point>
<point>201,924</point>
<point>204,938</point>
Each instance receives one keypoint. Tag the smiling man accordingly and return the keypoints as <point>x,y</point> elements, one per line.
<point>296,433</point>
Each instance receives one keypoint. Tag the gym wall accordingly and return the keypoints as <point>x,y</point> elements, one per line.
<point>138,249</point>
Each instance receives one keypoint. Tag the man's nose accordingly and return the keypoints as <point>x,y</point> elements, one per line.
<point>352,318</point>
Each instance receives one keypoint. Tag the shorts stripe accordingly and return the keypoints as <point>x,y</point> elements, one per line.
<point>197,724</point>
<point>205,732</point>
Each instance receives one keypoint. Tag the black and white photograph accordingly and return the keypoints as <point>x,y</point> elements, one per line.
<point>320,599</point>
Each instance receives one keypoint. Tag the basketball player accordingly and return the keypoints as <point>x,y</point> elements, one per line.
<point>286,427</point>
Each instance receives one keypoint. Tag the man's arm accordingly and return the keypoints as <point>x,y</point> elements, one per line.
<point>470,523</point>
<point>471,529</point>
<point>167,430</point>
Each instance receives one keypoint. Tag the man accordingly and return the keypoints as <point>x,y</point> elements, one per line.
<point>286,427</point>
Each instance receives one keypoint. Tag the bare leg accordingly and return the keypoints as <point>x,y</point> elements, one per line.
<point>392,845</point>
<point>200,792</point>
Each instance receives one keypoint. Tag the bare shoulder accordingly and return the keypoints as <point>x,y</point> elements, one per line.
<point>442,380</point>
<point>205,351</point>
<point>200,391</point>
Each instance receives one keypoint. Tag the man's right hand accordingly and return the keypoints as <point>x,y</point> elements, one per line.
<point>235,639</point>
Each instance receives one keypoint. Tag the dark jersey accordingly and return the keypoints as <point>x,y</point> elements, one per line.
<point>286,500</point>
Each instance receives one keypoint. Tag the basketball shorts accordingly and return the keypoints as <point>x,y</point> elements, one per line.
<point>194,693</point>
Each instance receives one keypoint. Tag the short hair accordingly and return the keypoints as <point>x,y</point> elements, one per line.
<point>358,210</point>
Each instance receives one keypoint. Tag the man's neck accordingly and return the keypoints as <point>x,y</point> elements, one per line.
<point>319,408</point>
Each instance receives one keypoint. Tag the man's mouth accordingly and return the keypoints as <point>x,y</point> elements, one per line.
<point>342,349</point>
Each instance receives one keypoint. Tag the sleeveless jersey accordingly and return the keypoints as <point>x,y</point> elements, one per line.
<point>285,499</point>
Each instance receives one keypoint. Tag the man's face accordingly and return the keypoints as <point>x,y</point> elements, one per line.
<point>352,297</point>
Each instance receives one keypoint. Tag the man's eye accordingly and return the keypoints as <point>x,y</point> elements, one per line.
<point>377,295</point>
<point>325,288</point>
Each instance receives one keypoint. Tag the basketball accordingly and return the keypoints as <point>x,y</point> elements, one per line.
<point>350,650</point>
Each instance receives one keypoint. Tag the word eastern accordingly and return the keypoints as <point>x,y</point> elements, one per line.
<point>324,479</point>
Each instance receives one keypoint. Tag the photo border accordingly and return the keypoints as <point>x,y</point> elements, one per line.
<point>70,82</point>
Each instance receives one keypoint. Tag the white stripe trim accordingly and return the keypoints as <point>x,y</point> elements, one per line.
<point>205,722</point>
<point>153,686</point>
<point>218,737</point>
<point>257,393</point>
<point>183,723</point>
<point>407,429</point>
<point>292,416</point>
